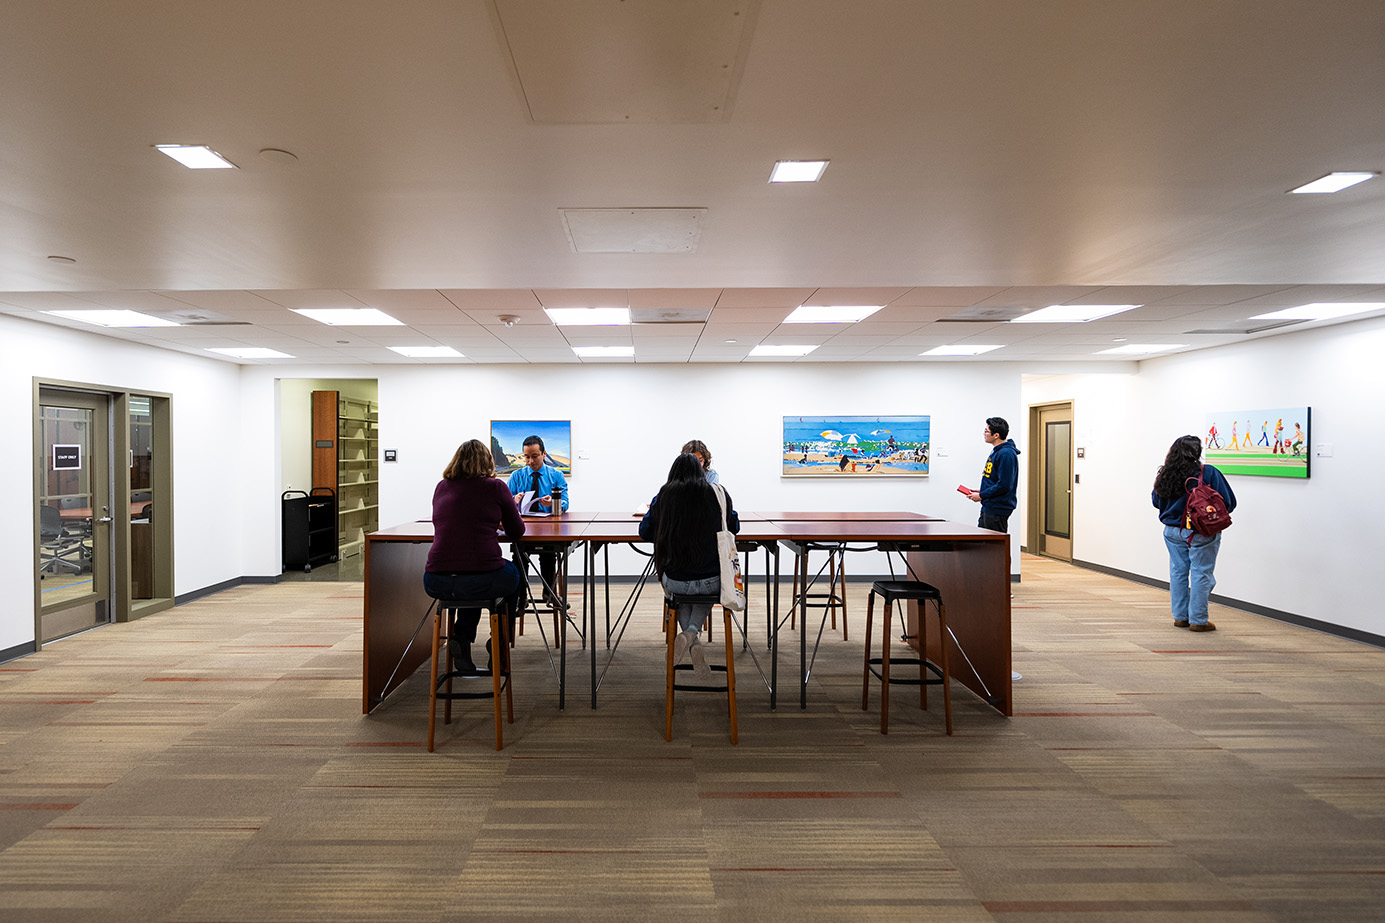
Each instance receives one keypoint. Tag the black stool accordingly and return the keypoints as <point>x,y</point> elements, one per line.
<point>889,591</point>
<point>834,597</point>
<point>671,604</point>
<point>499,671</point>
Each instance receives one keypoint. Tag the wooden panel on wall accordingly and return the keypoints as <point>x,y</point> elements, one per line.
<point>325,439</point>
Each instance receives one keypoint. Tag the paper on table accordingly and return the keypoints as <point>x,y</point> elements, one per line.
<point>528,504</point>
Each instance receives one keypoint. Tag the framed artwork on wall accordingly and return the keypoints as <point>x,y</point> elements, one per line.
<point>855,447</point>
<point>507,444</point>
<point>1270,443</point>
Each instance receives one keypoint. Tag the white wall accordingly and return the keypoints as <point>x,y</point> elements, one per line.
<point>1305,547</point>
<point>629,421</point>
<point>207,451</point>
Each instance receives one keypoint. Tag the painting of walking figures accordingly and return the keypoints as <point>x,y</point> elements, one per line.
<point>855,447</point>
<point>1269,443</point>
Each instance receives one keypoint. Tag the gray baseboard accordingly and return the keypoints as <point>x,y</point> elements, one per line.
<point>1279,615</point>
<point>218,587</point>
<point>19,650</point>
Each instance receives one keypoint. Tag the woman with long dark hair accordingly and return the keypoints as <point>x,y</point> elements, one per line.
<point>470,507</point>
<point>683,521</point>
<point>1192,557</point>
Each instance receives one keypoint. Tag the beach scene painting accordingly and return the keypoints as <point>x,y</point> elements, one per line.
<point>1268,443</point>
<point>856,447</point>
<point>507,444</point>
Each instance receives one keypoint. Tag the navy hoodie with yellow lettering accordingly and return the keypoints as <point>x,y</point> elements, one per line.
<point>1000,481</point>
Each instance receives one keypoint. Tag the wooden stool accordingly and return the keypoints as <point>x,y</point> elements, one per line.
<point>835,595</point>
<point>889,591</point>
<point>499,671</point>
<point>671,604</point>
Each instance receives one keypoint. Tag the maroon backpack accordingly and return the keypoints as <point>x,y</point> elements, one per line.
<point>1206,510</point>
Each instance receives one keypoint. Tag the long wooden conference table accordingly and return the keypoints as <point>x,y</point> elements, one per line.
<point>970,566</point>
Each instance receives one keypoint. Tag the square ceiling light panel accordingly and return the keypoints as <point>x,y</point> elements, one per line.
<point>797,171</point>
<point>830,314</point>
<point>633,230</point>
<point>1332,182</point>
<point>1321,310</point>
<point>349,317</point>
<point>115,318</point>
<point>248,352</point>
<point>1072,313</point>
<point>589,317</point>
<point>196,156</point>
<point>427,352</point>
<point>959,350</point>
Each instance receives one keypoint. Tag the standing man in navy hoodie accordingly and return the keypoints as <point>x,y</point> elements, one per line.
<point>1000,481</point>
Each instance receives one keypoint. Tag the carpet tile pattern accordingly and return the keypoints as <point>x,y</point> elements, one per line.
<point>210,765</point>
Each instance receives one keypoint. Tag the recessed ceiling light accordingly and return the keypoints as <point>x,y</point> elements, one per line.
<point>428,352</point>
<point>768,350</point>
<point>196,156</point>
<point>1135,349</point>
<point>797,171</point>
<point>62,259</point>
<point>112,318</point>
<point>588,317</point>
<point>249,352</point>
<point>960,350</point>
<point>349,317</point>
<point>1332,182</point>
<point>1072,313</point>
<point>604,352</point>
<point>1321,310</point>
<point>729,342</point>
<point>830,314</point>
<point>279,157</point>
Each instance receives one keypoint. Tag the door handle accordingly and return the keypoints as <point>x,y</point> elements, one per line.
<point>104,519</point>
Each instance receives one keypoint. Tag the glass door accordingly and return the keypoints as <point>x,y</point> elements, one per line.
<point>73,513</point>
<point>1055,481</point>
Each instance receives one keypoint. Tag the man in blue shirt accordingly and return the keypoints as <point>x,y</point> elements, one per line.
<point>1000,481</point>
<point>540,478</point>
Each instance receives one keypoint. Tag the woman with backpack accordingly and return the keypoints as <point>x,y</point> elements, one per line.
<point>1192,554</point>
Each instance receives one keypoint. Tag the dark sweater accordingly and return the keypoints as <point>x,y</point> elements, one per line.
<point>1000,481</point>
<point>706,564</point>
<point>1171,509</point>
<point>467,512</point>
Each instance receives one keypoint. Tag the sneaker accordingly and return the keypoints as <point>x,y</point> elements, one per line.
<point>1180,623</point>
<point>681,643</point>
<point>1205,626</point>
<point>699,661</point>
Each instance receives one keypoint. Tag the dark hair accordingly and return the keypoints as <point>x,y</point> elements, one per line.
<point>471,460</point>
<point>535,440</point>
<point>688,512</point>
<point>998,426</point>
<point>1183,461</point>
<point>698,447</point>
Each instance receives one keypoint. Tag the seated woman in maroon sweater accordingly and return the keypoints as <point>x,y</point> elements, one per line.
<point>470,507</point>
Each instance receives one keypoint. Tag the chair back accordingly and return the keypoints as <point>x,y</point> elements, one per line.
<point>50,522</point>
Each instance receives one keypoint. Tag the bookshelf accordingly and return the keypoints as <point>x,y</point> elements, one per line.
<point>346,457</point>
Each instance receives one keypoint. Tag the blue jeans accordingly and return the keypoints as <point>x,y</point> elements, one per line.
<point>504,581</point>
<point>1190,573</point>
<point>692,617</point>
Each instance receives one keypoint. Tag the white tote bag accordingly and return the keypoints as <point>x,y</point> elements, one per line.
<point>732,583</point>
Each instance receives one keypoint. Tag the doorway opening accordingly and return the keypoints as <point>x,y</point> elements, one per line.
<point>1051,480</point>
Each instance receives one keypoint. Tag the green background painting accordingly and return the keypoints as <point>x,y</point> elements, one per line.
<point>1267,443</point>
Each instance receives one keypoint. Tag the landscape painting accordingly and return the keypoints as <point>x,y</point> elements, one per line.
<point>855,447</point>
<point>1268,443</point>
<point>507,444</point>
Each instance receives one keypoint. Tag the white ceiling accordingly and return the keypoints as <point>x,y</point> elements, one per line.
<point>1005,153</point>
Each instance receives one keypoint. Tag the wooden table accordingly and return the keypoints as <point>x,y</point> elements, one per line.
<point>970,566</point>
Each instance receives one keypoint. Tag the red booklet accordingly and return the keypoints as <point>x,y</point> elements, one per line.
<point>964,489</point>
